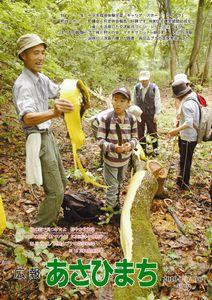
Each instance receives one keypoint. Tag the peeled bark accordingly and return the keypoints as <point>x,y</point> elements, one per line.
<point>137,237</point>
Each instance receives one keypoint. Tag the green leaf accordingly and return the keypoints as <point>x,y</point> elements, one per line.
<point>50,255</point>
<point>29,254</point>
<point>2,181</point>
<point>10,225</point>
<point>40,247</point>
<point>19,225</point>
<point>37,259</point>
<point>172,255</point>
<point>20,234</point>
<point>208,235</point>
<point>20,257</point>
<point>44,271</point>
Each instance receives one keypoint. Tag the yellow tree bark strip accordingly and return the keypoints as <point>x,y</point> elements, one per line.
<point>70,90</point>
<point>2,217</point>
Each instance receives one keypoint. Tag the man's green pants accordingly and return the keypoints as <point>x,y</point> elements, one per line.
<point>54,181</point>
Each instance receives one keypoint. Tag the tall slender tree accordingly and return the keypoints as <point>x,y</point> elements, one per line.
<point>208,63</point>
<point>165,6</point>
<point>192,67</point>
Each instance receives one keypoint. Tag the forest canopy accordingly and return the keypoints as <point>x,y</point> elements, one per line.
<point>101,63</point>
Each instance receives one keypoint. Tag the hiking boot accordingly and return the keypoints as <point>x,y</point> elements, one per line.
<point>182,185</point>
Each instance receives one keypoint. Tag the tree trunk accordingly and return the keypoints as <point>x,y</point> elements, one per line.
<point>172,45</point>
<point>208,63</point>
<point>136,234</point>
<point>165,6</point>
<point>192,69</point>
<point>173,59</point>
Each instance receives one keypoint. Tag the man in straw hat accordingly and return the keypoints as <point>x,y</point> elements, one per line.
<point>147,97</point>
<point>31,92</point>
<point>188,121</point>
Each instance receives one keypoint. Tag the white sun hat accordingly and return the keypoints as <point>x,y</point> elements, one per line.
<point>181,77</point>
<point>144,75</point>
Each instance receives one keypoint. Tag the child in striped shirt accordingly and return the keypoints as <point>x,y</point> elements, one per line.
<point>117,136</point>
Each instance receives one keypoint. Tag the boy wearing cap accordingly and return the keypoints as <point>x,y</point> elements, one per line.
<point>117,142</point>
<point>31,92</point>
<point>188,120</point>
<point>147,96</point>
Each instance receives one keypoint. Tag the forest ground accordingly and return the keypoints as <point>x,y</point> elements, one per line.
<point>185,257</point>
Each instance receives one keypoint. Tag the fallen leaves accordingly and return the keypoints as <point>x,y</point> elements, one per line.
<point>183,255</point>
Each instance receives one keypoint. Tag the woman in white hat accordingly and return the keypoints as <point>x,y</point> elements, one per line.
<point>189,119</point>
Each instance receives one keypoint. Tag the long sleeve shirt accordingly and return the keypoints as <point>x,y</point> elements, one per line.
<point>189,115</point>
<point>31,94</point>
<point>107,142</point>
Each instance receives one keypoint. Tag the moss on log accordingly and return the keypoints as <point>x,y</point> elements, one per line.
<point>137,237</point>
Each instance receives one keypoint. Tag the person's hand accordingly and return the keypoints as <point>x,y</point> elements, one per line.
<point>62,106</point>
<point>172,133</point>
<point>177,104</point>
<point>155,119</point>
<point>176,123</point>
<point>127,147</point>
<point>119,149</point>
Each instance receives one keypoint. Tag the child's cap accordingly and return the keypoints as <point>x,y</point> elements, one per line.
<point>122,91</point>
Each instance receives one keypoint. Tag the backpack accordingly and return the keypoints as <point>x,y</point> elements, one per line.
<point>202,100</point>
<point>204,130</point>
<point>95,123</point>
<point>81,206</point>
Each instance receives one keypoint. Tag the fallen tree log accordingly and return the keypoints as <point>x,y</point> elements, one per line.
<point>137,238</point>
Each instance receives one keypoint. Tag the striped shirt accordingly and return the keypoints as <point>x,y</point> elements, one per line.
<point>128,134</point>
